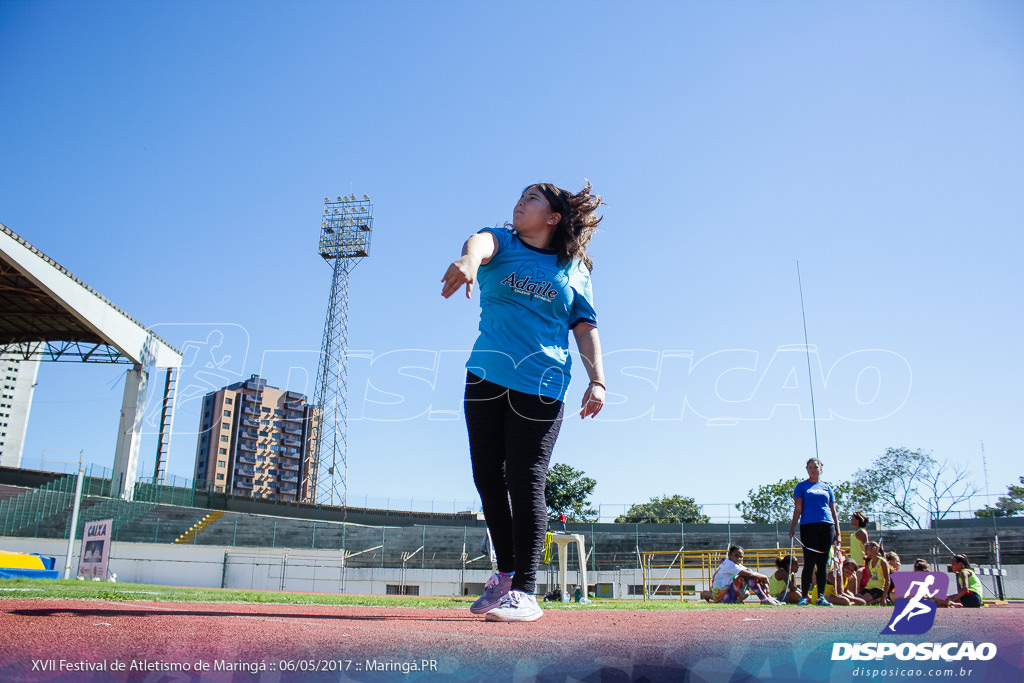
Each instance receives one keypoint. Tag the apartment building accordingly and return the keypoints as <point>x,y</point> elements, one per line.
<point>17,382</point>
<point>257,440</point>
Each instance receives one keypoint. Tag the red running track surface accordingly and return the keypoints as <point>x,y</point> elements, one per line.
<point>157,642</point>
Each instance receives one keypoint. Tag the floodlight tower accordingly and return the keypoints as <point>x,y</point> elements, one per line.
<point>345,233</point>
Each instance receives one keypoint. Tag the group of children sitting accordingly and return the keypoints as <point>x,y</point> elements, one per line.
<point>860,579</point>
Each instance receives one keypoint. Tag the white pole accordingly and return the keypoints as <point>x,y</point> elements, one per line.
<point>74,520</point>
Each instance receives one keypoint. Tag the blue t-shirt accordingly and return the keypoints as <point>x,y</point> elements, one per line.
<point>817,497</point>
<point>528,304</point>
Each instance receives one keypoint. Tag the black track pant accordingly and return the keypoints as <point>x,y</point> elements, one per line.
<point>819,537</point>
<point>511,435</point>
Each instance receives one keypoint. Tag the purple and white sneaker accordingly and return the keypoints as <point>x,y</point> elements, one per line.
<point>516,606</point>
<point>494,590</point>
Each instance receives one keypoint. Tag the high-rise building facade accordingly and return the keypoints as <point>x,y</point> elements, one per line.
<point>17,382</point>
<point>256,440</point>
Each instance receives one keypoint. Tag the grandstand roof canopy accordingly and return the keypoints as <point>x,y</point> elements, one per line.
<point>46,313</point>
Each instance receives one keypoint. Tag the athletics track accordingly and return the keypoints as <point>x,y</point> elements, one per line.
<point>252,643</point>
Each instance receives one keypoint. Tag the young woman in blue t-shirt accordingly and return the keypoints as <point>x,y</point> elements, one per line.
<point>534,287</point>
<point>814,507</point>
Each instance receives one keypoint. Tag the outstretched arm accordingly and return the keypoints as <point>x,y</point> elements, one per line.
<point>478,250</point>
<point>589,345</point>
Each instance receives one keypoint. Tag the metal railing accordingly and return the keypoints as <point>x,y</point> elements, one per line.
<point>31,507</point>
<point>123,512</point>
<point>696,568</point>
<point>718,513</point>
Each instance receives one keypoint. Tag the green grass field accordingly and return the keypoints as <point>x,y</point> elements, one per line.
<point>35,589</point>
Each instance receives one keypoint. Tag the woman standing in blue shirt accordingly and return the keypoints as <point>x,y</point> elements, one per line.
<point>534,287</point>
<point>815,508</point>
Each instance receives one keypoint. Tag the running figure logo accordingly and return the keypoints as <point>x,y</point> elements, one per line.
<point>914,612</point>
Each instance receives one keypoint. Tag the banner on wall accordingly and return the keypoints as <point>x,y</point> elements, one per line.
<point>95,549</point>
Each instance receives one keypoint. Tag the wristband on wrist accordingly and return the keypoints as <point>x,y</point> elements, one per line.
<point>600,384</point>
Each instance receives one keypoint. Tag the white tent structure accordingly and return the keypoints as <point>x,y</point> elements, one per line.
<point>46,313</point>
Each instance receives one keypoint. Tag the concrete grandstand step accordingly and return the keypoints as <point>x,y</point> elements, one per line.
<point>196,529</point>
<point>162,524</point>
<point>9,491</point>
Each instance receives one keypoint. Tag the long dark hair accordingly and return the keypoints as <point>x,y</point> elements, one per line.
<point>577,224</point>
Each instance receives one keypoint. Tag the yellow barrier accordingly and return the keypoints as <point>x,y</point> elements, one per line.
<point>701,566</point>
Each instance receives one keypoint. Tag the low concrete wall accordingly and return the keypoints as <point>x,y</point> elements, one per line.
<point>155,563</point>
<point>321,571</point>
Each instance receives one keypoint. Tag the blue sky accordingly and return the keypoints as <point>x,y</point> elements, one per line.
<point>175,156</point>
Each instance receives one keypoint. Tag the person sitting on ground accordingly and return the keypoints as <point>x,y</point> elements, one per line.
<point>878,575</point>
<point>892,558</point>
<point>969,591</point>
<point>782,583</point>
<point>922,565</point>
<point>845,594</point>
<point>733,582</point>
<point>832,566</point>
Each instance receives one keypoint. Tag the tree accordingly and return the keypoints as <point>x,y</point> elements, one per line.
<point>769,503</point>
<point>773,503</point>
<point>853,496</point>
<point>567,490</point>
<point>913,488</point>
<point>1010,505</point>
<point>665,510</point>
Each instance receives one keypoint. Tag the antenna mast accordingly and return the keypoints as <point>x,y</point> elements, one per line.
<point>807,348</point>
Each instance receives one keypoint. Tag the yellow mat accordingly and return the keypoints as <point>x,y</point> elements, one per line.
<point>20,561</point>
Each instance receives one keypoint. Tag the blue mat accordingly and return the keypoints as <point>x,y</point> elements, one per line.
<point>15,573</point>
